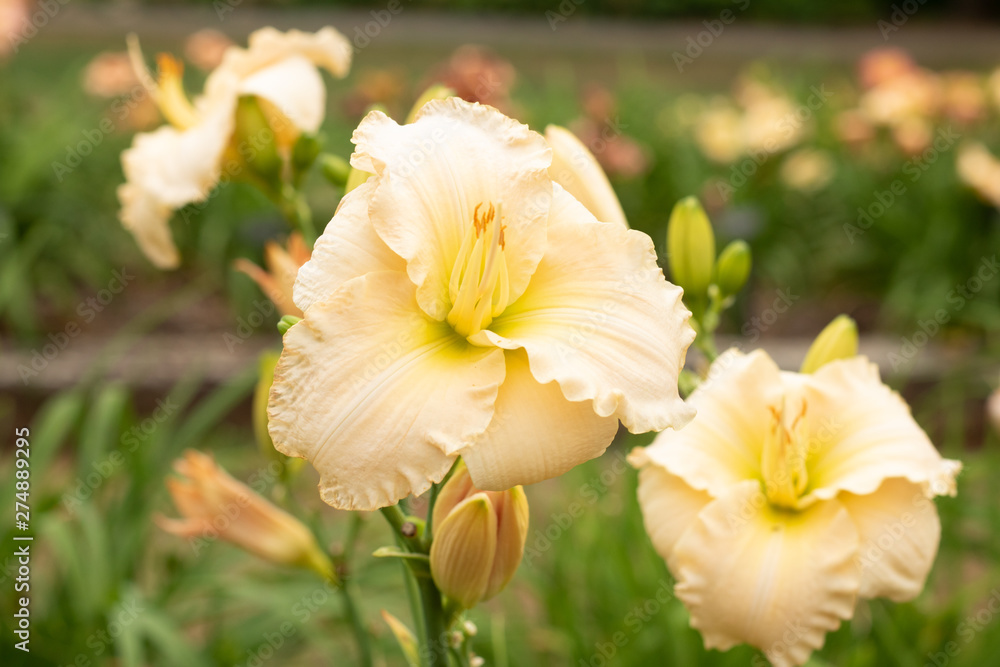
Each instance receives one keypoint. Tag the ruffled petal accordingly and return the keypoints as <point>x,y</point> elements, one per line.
<point>777,580</point>
<point>723,444</point>
<point>347,248</point>
<point>900,531</point>
<point>325,48</point>
<point>669,505</point>
<point>293,86</point>
<point>436,170</point>
<point>862,433</point>
<point>377,396</point>
<point>600,319</point>
<point>535,434</point>
<point>576,169</point>
<point>148,219</point>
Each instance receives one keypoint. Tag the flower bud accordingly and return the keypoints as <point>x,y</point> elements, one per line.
<point>404,637</point>
<point>993,409</point>
<point>691,246</point>
<point>283,266</point>
<point>214,505</point>
<point>733,268</point>
<point>435,92</point>
<point>479,539</point>
<point>336,169</point>
<point>268,361</point>
<point>254,139</point>
<point>839,340</point>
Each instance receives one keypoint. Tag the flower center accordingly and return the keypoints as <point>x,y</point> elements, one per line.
<point>784,457</point>
<point>479,287</point>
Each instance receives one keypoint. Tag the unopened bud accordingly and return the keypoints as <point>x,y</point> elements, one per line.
<point>266,365</point>
<point>839,340</point>
<point>435,92</point>
<point>691,246</point>
<point>733,268</point>
<point>993,409</point>
<point>404,637</point>
<point>254,140</point>
<point>214,505</point>
<point>479,539</point>
<point>336,169</point>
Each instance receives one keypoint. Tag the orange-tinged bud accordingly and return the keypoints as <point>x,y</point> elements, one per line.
<point>215,505</point>
<point>479,539</point>
<point>283,266</point>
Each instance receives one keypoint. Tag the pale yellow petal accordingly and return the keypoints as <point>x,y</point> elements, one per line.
<point>862,432</point>
<point>148,219</point>
<point>325,48</point>
<point>576,169</point>
<point>669,506</point>
<point>378,397</point>
<point>776,580</point>
<point>179,167</point>
<point>723,444</point>
<point>436,170</point>
<point>600,319</point>
<point>900,531</point>
<point>347,248</point>
<point>535,434</point>
<point>294,87</point>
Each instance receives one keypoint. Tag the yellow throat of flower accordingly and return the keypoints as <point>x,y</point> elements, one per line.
<point>479,288</point>
<point>784,457</point>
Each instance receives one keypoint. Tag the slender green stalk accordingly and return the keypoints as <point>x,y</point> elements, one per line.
<point>434,651</point>
<point>357,622</point>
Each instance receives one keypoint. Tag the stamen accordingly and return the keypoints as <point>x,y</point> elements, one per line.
<point>784,465</point>
<point>479,286</point>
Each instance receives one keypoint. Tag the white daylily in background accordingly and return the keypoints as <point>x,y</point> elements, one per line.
<point>182,162</point>
<point>790,496</point>
<point>980,170</point>
<point>460,303</point>
<point>576,169</point>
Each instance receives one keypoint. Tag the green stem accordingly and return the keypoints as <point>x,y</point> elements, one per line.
<point>434,652</point>
<point>296,210</point>
<point>357,623</point>
<point>431,618</point>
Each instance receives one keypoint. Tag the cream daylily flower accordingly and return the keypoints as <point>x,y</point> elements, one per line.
<point>576,169</point>
<point>790,496</point>
<point>180,163</point>
<point>460,303</point>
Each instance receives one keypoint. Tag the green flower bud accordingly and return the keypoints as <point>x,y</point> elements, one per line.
<point>266,365</point>
<point>733,268</point>
<point>336,169</point>
<point>839,340</point>
<point>435,92</point>
<point>355,178</point>
<point>254,140</point>
<point>479,539</point>
<point>691,245</point>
